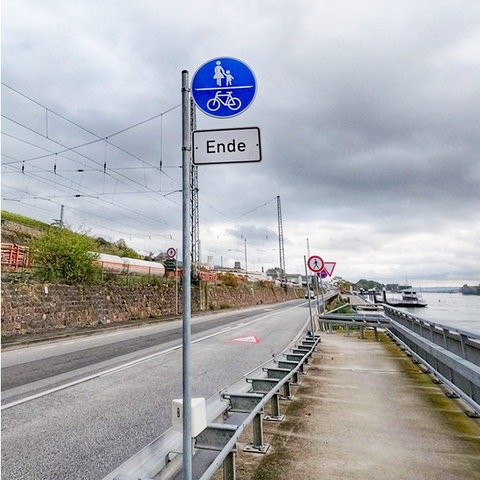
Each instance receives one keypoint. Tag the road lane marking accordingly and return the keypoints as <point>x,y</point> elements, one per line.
<point>129,364</point>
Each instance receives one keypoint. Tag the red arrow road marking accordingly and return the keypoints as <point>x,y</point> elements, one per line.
<point>250,339</point>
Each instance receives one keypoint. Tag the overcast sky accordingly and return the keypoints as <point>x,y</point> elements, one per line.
<point>368,112</point>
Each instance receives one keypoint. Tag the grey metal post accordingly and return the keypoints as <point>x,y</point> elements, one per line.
<point>309,301</point>
<point>287,390</point>
<point>246,267</point>
<point>258,430</point>
<point>275,405</point>
<point>229,469</point>
<point>176,286</point>
<point>186,278</point>
<point>323,296</point>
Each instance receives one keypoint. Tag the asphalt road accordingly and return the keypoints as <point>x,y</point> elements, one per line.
<point>78,408</point>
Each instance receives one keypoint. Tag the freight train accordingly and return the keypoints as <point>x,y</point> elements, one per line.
<point>116,264</point>
<point>15,257</point>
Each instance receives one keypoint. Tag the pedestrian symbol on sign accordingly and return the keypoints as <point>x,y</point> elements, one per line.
<point>315,263</point>
<point>223,87</point>
<point>221,74</point>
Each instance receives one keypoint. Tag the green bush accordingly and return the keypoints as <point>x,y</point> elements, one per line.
<point>228,279</point>
<point>62,255</point>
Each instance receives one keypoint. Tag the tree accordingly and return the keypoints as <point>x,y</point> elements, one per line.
<point>368,285</point>
<point>119,248</point>
<point>60,254</point>
<point>341,284</point>
<point>276,272</point>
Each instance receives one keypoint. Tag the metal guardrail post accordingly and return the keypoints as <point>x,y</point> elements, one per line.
<point>257,446</point>
<point>229,467</point>
<point>287,391</point>
<point>275,407</point>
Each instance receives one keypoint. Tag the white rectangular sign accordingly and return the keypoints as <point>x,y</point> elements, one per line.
<point>229,145</point>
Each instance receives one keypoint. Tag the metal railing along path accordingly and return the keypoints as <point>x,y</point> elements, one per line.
<point>451,354</point>
<point>362,320</point>
<point>229,413</point>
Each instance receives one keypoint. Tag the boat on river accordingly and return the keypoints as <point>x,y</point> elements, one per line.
<point>408,298</point>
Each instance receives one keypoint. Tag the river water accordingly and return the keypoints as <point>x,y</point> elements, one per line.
<point>451,309</point>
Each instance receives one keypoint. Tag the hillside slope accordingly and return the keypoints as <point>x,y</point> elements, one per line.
<point>19,230</point>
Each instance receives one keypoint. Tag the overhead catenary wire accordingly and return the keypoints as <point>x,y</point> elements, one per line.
<point>107,172</point>
<point>96,195</point>
<point>67,187</point>
<point>117,176</point>
<point>98,138</point>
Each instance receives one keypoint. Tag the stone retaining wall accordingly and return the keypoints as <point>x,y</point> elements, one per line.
<point>39,308</point>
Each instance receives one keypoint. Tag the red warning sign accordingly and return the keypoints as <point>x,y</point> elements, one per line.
<point>250,339</point>
<point>315,263</point>
<point>328,268</point>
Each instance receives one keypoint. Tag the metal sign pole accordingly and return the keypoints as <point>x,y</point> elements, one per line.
<point>309,301</point>
<point>323,297</point>
<point>186,277</point>
<point>317,291</point>
<point>176,287</point>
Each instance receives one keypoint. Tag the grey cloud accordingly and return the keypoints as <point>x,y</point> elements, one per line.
<point>368,115</point>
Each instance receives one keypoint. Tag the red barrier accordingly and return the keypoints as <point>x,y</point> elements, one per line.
<point>14,256</point>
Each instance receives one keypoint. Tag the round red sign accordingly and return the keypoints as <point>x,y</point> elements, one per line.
<point>315,263</point>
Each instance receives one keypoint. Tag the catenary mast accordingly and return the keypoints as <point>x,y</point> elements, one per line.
<point>194,210</point>
<point>283,273</point>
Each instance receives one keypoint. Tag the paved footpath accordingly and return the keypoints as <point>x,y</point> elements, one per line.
<point>365,411</point>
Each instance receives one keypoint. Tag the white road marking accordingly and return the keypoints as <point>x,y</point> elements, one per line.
<point>128,364</point>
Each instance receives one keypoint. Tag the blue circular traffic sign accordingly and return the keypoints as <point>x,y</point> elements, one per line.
<point>223,87</point>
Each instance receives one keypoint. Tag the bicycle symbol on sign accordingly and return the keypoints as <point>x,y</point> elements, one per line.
<point>226,99</point>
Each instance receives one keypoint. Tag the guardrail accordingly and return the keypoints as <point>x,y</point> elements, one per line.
<point>452,354</point>
<point>361,320</point>
<point>229,413</point>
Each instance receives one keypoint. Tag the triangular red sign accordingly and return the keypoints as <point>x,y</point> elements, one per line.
<point>250,339</point>
<point>329,267</point>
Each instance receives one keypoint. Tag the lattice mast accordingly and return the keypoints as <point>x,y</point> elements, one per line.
<point>195,213</point>
<point>283,273</point>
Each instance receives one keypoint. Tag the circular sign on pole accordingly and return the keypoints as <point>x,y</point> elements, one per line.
<point>171,252</point>
<point>315,263</point>
<point>224,87</point>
